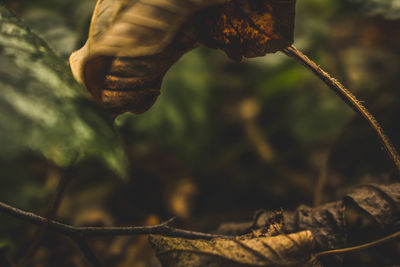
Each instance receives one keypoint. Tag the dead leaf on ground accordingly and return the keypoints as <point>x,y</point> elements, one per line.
<point>282,250</point>
<point>366,213</point>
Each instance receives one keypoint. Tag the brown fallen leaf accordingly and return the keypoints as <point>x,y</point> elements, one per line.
<point>281,250</point>
<point>367,212</point>
<point>248,28</point>
<point>133,43</point>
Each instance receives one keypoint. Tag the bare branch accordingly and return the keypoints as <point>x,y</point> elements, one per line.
<point>65,229</point>
<point>78,234</point>
<point>84,247</point>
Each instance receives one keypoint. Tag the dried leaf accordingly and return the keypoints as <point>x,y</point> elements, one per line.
<point>282,250</point>
<point>366,213</point>
<point>138,27</point>
<point>380,202</point>
<point>132,44</point>
<point>326,222</point>
<point>130,47</point>
<point>249,28</point>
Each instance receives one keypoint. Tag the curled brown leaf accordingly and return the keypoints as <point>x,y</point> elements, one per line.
<point>133,43</point>
<point>366,213</point>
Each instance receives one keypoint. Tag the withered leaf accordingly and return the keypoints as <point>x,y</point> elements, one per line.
<point>327,224</point>
<point>248,28</point>
<point>282,250</point>
<point>330,222</point>
<point>366,213</point>
<point>380,202</point>
<point>133,43</point>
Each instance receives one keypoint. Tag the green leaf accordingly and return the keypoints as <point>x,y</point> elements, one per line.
<point>43,109</point>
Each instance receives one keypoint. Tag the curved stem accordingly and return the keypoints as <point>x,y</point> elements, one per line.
<point>349,98</point>
<point>360,247</point>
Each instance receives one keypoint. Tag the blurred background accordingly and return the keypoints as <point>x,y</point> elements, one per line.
<point>224,139</point>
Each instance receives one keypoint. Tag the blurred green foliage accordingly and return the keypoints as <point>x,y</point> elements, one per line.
<point>45,117</point>
<point>44,109</point>
<point>390,9</point>
<point>196,132</point>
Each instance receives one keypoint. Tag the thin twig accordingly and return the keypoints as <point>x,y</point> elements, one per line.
<point>84,247</point>
<point>360,247</point>
<point>248,111</point>
<point>349,98</point>
<point>65,179</point>
<point>78,234</point>
<point>322,179</point>
<point>73,231</point>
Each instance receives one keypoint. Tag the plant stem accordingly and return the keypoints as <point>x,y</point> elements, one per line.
<point>360,247</point>
<point>86,250</point>
<point>50,214</point>
<point>349,98</point>
<point>78,234</point>
<point>65,229</point>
